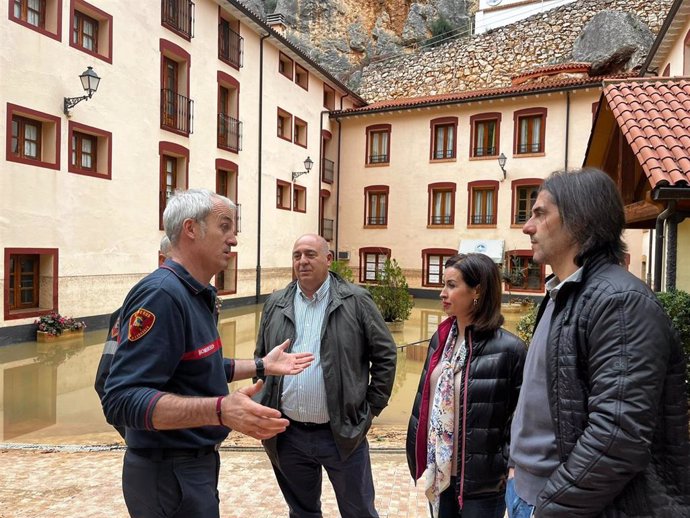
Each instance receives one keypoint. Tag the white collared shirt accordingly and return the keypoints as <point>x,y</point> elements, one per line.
<point>304,395</point>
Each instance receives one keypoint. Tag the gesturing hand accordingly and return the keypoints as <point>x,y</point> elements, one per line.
<point>246,416</point>
<point>278,362</point>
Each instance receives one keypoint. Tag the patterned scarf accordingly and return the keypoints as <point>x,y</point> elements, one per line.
<point>442,421</point>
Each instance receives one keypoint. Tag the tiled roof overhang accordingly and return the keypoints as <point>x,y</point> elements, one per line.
<point>654,117</point>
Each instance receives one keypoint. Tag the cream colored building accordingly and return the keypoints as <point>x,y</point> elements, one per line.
<point>192,94</point>
<point>424,177</point>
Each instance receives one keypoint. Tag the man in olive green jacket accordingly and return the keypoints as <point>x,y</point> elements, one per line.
<point>330,405</point>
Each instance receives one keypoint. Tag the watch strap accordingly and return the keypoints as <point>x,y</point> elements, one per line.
<point>260,370</point>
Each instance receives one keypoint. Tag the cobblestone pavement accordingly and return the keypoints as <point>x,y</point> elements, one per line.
<point>84,482</point>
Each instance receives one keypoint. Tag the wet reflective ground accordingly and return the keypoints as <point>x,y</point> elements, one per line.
<point>47,395</point>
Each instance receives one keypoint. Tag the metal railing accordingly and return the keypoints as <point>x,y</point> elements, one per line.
<point>443,153</point>
<point>483,219</point>
<point>485,151</point>
<point>328,168</point>
<point>230,46</point>
<point>441,220</point>
<point>177,111</point>
<point>378,159</point>
<point>376,220</point>
<point>179,16</point>
<point>229,133</point>
<point>529,148</point>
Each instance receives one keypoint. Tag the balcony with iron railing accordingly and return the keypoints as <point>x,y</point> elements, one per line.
<point>483,219</point>
<point>378,159</point>
<point>177,112</point>
<point>229,133</point>
<point>376,220</point>
<point>441,220</point>
<point>327,168</point>
<point>520,218</point>
<point>230,46</point>
<point>178,15</point>
<point>529,148</point>
<point>327,229</point>
<point>440,154</point>
<point>485,151</point>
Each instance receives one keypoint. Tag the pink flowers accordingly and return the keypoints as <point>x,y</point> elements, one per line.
<point>54,324</point>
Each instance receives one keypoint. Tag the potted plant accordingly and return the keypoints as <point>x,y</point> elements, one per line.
<point>54,326</point>
<point>391,295</point>
<point>677,306</point>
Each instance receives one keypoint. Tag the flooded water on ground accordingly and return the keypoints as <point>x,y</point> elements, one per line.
<point>47,395</point>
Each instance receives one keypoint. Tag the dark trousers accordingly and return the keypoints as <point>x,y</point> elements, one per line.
<point>302,452</point>
<point>184,486</point>
<point>491,507</point>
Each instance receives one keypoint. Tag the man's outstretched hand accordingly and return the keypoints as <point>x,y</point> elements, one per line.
<point>246,416</point>
<point>278,362</point>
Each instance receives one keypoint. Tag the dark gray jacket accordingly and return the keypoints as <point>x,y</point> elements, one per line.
<point>358,356</point>
<point>616,388</point>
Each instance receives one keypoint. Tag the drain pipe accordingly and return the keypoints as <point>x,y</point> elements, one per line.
<point>260,170</point>
<point>659,243</point>
<point>321,152</point>
<point>337,183</point>
<point>567,127</point>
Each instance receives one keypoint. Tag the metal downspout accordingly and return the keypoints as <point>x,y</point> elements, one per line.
<point>659,243</point>
<point>260,169</point>
<point>320,222</point>
<point>567,127</point>
<point>671,249</point>
<point>337,183</point>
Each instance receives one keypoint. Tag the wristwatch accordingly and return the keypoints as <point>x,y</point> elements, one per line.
<point>260,371</point>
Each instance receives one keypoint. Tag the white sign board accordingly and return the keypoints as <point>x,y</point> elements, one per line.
<point>491,247</point>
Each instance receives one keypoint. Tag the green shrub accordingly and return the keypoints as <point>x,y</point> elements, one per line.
<point>440,29</point>
<point>343,269</point>
<point>525,326</point>
<point>677,306</point>
<point>391,293</point>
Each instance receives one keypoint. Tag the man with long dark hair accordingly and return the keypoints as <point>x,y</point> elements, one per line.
<point>601,426</point>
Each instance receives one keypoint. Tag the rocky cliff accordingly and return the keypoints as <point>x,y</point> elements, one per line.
<point>381,48</point>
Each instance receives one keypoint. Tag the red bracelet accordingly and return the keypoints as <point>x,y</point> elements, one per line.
<point>219,402</point>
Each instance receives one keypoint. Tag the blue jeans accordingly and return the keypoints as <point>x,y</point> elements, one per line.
<point>517,507</point>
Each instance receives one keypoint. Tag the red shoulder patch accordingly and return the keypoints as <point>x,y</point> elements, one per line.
<point>140,323</point>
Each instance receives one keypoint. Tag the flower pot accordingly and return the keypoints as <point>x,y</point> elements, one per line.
<point>43,337</point>
<point>396,327</point>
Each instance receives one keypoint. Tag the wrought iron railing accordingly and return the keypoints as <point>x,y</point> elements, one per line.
<point>230,45</point>
<point>327,229</point>
<point>376,220</point>
<point>328,168</point>
<point>229,133</point>
<point>179,16</point>
<point>483,219</point>
<point>177,111</point>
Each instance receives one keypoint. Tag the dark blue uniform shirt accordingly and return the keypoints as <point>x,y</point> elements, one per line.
<point>168,342</point>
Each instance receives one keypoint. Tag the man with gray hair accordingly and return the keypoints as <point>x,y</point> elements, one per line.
<point>601,425</point>
<point>168,384</point>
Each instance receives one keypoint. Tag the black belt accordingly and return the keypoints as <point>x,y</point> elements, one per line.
<point>174,453</point>
<point>309,426</point>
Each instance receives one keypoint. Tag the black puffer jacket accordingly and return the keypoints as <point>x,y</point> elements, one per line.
<point>617,394</point>
<point>494,364</point>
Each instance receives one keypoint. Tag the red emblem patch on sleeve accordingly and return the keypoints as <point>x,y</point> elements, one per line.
<point>140,323</point>
<point>115,331</point>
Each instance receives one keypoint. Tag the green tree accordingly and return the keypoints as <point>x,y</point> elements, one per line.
<point>391,293</point>
<point>343,269</point>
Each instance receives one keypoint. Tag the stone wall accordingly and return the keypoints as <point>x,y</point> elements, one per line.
<point>490,59</point>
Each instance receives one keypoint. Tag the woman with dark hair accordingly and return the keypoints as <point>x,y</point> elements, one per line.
<point>459,431</point>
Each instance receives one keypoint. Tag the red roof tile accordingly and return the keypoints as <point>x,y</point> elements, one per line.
<point>470,95</point>
<point>654,116</point>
